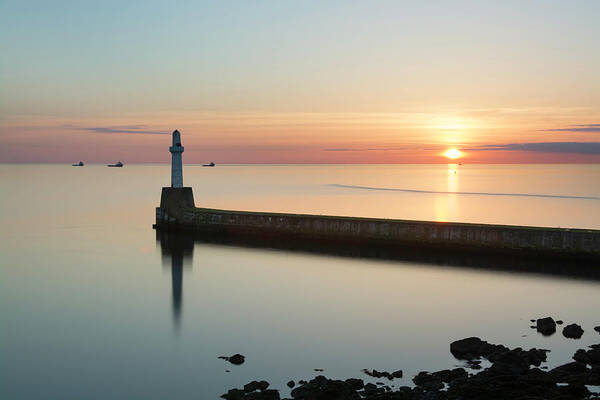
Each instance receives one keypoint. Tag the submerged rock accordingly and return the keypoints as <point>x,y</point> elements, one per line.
<point>597,329</point>
<point>572,331</point>
<point>291,384</point>
<point>546,326</point>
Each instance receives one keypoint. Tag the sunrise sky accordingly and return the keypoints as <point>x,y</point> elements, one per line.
<point>300,81</point>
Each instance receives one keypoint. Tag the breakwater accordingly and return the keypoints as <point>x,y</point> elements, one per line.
<point>177,212</point>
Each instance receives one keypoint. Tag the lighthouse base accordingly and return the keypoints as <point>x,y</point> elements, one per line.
<point>174,198</point>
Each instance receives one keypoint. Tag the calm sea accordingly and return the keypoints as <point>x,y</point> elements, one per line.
<point>93,306</point>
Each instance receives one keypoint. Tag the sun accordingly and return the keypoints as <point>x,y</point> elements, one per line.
<point>453,153</point>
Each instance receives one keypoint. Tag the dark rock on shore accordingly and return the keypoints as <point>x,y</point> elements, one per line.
<point>255,390</point>
<point>474,348</point>
<point>572,331</point>
<point>234,394</point>
<point>591,357</point>
<point>355,383</point>
<point>471,348</point>
<point>383,374</point>
<point>559,322</point>
<point>321,388</point>
<point>597,329</point>
<point>546,326</point>
<point>235,359</point>
<point>435,381</point>
<point>291,384</point>
<point>256,385</point>
<point>509,377</point>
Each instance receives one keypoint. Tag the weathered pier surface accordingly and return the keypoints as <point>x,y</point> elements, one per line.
<point>177,212</point>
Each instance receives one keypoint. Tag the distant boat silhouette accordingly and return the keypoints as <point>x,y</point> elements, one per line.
<point>79,164</point>
<point>119,165</point>
<point>212,164</point>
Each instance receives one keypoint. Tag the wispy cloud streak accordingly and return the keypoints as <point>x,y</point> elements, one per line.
<point>545,147</point>
<point>128,129</point>
<point>576,128</point>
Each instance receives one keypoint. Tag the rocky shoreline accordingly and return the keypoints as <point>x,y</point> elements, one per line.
<point>513,374</point>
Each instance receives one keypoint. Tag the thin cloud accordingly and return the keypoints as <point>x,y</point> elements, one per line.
<point>365,149</point>
<point>545,147</point>
<point>127,129</point>
<point>576,128</point>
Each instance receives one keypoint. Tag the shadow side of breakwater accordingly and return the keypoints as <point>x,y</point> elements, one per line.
<point>579,269</point>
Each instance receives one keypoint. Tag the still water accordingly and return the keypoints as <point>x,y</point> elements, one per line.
<point>94,305</point>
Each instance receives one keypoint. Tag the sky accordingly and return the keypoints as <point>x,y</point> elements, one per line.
<point>300,81</point>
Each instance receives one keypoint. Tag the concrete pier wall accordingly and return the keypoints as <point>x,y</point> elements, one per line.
<point>175,213</point>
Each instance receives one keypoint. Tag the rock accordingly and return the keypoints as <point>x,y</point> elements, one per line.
<point>597,329</point>
<point>355,383</point>
<point>449,375</point>
<point>291,384</point>
<point>546,326</point>
<point>235,359</point>
<point>591,357</point>
<point>321,388</point>
<point>319,369</point>
<point>256,385</point>
<point>383,374</point>
<point>369,387</point>
<point>270,394</point>
<point>571,372</point>
<point>428,381</point>
<point>559,322</point>
<point>233,394</point>
<point>470,348</point>
<point>532,320</point>
<point>474,364</point>
<point>572,331</point>
<point>509,377</point>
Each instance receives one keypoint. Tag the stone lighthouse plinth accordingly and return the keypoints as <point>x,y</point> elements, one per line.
<point>176,198</point>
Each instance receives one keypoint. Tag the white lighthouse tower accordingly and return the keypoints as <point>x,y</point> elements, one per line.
<point>176,164</point>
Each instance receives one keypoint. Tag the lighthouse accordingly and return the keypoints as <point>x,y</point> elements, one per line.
<point>176,164</point>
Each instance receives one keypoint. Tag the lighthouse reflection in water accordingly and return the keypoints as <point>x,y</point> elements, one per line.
<point>177,252</point>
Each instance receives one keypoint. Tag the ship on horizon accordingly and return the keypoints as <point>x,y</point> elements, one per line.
<point>79,164</point>
<point>119,164</point>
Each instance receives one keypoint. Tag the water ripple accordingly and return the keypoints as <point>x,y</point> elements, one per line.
<point>546,196</point>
